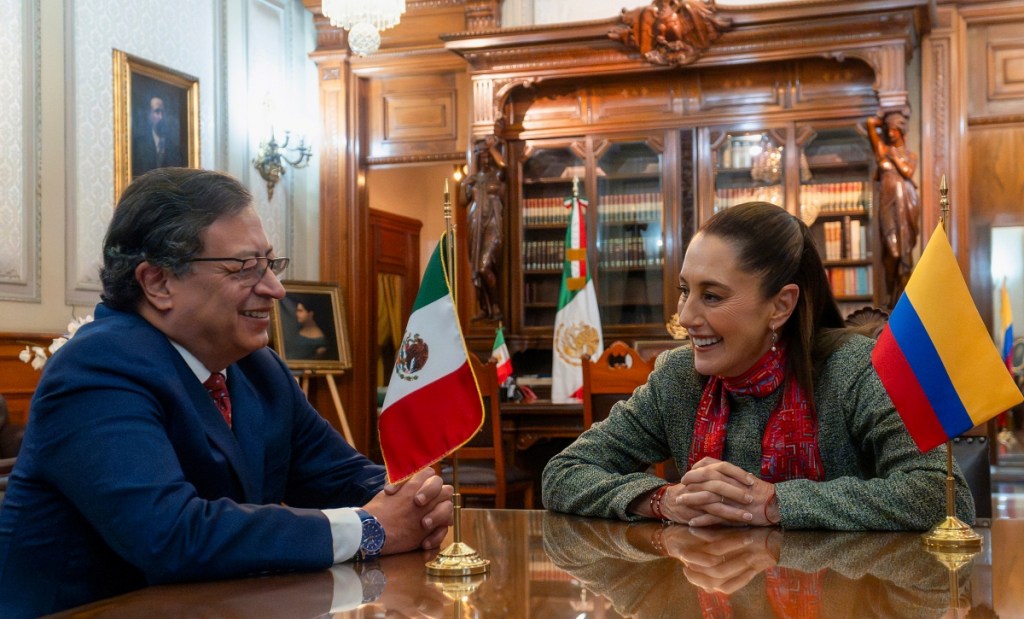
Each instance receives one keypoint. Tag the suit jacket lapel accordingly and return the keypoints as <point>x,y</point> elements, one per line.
<point>247,418</point>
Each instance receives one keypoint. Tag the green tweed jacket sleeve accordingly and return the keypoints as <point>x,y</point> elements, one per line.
<point>875,478</point>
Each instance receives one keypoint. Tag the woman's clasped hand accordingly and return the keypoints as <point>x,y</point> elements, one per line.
<point>714,492</point>
<point>722,560</point>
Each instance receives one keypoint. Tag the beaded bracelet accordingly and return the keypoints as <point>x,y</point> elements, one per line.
<point>766,504</point>
<point>656,502</point>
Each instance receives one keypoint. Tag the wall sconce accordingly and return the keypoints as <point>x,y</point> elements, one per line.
<point>459,172</point>
<point>271,157</point>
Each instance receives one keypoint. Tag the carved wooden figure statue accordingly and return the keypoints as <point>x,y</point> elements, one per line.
<point>484,192</point>
<point>899,209</point>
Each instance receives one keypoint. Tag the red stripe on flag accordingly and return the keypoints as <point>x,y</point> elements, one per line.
<point>430,423</point>
<point>906,393</point>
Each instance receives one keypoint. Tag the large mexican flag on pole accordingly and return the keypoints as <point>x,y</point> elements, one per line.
<point>433,404</point>
<point>577,323</point>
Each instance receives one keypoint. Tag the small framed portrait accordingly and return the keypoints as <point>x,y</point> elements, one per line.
<point>309,327</point>
<point>156,119</point>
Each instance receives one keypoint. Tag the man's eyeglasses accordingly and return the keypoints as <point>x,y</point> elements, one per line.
<point>252,270</point>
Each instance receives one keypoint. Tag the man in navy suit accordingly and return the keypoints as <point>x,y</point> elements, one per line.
<point>130,475</point>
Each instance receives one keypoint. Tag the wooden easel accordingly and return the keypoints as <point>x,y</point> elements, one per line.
<point>328,375</point>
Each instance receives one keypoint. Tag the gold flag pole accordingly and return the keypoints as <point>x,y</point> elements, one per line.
<point>952,536</point>
<point>457,559</point>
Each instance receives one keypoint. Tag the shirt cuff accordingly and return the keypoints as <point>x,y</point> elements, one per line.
<point>346,532</point>
<point>348,589</point>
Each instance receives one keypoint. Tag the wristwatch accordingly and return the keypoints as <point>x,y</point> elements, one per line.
<point>372,579</point>
<point>373,537</point>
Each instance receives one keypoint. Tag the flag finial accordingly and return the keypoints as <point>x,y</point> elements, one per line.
<point>943,202</point>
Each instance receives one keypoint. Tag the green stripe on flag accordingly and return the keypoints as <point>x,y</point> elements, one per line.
<point>433,286</point>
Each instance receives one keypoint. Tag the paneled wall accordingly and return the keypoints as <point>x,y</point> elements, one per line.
<point>56,113</point>
<point>251,60</point>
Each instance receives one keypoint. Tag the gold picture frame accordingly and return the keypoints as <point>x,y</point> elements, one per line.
<point>156,118</point>
<point>322,313</point>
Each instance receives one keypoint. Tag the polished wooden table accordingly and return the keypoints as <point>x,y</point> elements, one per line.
<point>550,566</point>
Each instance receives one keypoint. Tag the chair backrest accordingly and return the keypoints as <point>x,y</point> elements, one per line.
<point>487,444</point>
<point>611,377</point>
<point>972,454</point>
<point>10,434</point>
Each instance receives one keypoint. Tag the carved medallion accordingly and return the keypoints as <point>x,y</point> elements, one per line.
<point>671,32</point>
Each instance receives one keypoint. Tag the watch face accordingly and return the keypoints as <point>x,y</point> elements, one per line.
<point>373,537</point>
<point>373,581</point>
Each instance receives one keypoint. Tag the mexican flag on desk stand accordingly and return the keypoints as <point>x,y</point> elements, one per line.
<point>499,352</point>
<point>577,323</point>
<point>935,357</point>
<point>433,405</point>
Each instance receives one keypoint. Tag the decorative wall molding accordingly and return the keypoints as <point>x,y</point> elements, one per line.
<point>186,43</point>
<point>431,158</point>
<point>20,118</point>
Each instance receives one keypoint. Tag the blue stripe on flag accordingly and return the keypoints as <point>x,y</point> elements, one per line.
<point>924,360</point>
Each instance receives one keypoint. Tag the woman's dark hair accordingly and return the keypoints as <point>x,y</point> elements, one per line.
<point>159,219</point>
<point>778,248</point>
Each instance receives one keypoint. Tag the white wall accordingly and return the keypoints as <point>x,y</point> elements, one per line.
<point>57,104</point>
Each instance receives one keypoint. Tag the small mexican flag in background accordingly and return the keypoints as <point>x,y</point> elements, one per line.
<point>499,352</point>
<point>577,323</point>
<point>433,405</point>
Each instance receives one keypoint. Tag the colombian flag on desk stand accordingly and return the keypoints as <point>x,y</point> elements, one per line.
<point>433,405</point>
<point>935,357</point>
<point>1006,318</point>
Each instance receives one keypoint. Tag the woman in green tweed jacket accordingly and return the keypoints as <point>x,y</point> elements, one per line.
<point>773,412</point>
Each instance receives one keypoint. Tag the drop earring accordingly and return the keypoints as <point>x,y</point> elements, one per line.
<point>775,338</point>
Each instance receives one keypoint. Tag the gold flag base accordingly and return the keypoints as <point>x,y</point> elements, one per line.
<point>458,559</point>
<point>952,535</point>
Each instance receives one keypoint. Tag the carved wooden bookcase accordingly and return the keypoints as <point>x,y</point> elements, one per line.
<point>665,116</point>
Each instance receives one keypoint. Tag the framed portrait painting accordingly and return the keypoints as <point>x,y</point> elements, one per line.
<point>309,327</point>
<point>156,119</point>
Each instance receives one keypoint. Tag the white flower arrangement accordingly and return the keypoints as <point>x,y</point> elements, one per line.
<point>37,355</point>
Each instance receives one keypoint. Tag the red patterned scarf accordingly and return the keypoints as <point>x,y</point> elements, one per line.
<point>789,449</point>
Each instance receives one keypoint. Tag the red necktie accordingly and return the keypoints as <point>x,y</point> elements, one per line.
<point>219,392</point>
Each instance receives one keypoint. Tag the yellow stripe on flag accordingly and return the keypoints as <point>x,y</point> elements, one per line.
<point>576,253</point>
<point>940,296</point>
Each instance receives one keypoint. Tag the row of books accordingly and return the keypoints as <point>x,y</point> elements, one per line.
<point>836,197</point>
<point>633,207</point>
<point>850,281</point>
<point>731,196</point>
<point>634,251</point>
<point>846,238</point>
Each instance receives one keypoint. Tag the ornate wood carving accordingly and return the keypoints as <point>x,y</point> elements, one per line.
<point>671,32</point>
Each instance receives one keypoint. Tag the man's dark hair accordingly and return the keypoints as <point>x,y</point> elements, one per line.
<point>159,219</point>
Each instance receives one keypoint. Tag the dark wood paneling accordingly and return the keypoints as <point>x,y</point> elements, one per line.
<point>396,249</point>
<point>17,379</point>
<point>413,115</point>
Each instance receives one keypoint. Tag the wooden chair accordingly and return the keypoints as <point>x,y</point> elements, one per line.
<point>484,467</point>
<point>613,377</point>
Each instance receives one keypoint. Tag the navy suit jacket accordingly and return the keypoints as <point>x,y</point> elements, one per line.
<point>128,475</point>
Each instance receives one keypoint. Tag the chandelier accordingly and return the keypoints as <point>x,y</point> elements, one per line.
<point>364,19</point>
